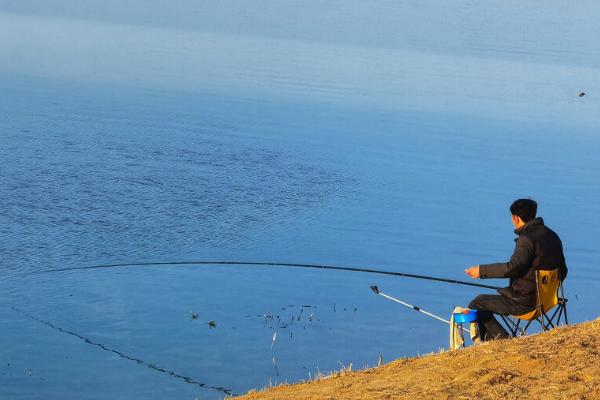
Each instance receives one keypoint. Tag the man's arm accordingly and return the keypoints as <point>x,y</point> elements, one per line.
<point>519,262</point>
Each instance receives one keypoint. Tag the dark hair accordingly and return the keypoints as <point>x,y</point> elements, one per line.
<point>524,208</point>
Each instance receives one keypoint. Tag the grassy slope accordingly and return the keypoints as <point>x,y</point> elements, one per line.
<point>563,363</point>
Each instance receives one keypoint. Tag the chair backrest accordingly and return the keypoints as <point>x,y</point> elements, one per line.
<point>547,282</point>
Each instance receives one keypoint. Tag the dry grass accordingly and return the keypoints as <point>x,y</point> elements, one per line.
<point>561,364</point>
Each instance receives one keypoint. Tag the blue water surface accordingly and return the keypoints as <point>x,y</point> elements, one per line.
<point>393,136</point>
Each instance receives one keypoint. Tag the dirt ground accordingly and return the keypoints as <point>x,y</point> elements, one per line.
<point>563,363</point>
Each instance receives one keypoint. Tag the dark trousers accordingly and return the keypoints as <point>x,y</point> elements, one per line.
<point>489,304</point>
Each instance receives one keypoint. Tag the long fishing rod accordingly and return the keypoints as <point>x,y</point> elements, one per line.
<point>276,264</point>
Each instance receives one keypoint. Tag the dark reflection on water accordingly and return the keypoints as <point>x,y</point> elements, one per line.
<point>174,374</point>
<point>138,192</point>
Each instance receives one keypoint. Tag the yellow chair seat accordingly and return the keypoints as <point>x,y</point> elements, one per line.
<point>530,315</point>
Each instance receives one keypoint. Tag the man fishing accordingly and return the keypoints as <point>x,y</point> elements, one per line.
<point>537,247</point>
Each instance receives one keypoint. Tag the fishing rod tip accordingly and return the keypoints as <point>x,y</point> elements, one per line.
<point>375,289</point>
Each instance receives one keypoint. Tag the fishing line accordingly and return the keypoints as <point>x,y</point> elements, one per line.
<point>272,264</point>
<point>155,367</point>
<point>206,262</point>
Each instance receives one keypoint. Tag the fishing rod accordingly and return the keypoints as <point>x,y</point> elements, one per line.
<point>375,290</point>
<point>275,264</point>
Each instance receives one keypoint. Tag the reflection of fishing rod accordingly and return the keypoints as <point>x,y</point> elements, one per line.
<point>375,289</point>
<point>276,264</point>
<point>139,361</point>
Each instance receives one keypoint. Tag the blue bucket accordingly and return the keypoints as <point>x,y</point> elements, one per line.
<point>465,316</point>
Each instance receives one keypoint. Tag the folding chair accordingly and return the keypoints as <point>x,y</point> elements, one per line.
<point>548,286</point>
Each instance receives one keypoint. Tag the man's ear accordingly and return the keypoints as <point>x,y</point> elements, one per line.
<point>517,220</point>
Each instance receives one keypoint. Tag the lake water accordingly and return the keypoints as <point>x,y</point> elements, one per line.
<point>390,136</point>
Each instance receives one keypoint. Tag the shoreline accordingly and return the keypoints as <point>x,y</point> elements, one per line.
<point>561,363</point>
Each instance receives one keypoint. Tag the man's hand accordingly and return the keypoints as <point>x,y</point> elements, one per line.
<point>473,271</point>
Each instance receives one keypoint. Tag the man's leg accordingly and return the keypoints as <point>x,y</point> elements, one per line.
<point>487,305</point>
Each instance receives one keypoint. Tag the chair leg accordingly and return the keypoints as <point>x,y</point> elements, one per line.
<point>562,302</point>
<point>557,313</point>
<point>510,324</point>
<point>527,326</point>
<point>562,313</point>
<point>541,318</point>
<point>518,330</point>
<point>548,325</point>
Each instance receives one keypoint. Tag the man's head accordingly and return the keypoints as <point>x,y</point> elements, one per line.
<point>523,210</point>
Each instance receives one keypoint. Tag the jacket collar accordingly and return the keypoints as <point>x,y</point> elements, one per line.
<point>528,225</point>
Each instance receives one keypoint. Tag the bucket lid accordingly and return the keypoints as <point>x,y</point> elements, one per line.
<point>465,316</point>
